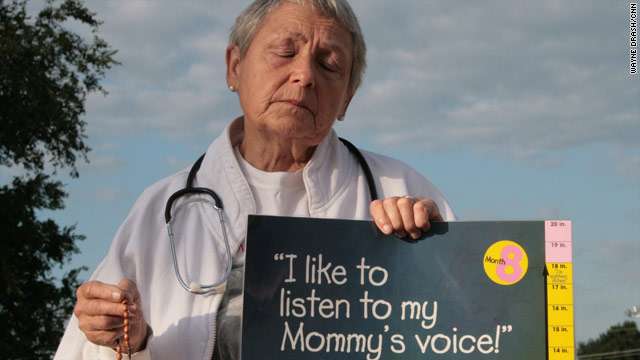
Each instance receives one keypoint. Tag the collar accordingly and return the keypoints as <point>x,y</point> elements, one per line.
<point>326,177</point>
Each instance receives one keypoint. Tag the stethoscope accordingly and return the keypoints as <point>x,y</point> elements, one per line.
<point>213,199</point>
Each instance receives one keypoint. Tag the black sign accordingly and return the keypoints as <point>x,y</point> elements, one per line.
<point>340,289</point>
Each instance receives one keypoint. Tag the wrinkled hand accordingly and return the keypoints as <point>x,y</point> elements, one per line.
<point>405,215</point>
<point>101,317</point>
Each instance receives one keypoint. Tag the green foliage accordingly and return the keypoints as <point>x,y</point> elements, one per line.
<point>46,72</point>
<point>618,338</point>
<point>33,305</point>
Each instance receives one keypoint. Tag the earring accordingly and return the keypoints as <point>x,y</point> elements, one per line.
<point>232,88</point>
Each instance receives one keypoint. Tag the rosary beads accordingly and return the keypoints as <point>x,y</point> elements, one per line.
<point>126,334</point>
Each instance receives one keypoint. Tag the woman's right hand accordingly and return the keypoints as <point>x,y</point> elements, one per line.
<point>101,315</point>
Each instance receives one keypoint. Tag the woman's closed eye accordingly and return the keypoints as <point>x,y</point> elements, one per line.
<point>329,66</point>
<point>286,53</point>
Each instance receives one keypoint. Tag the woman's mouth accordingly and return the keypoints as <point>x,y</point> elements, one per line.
<point>297,103</point>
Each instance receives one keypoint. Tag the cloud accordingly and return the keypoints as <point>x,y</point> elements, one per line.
<point>102,164</point>
<point>178,163</point>
<point>548,212</point>
<point>510,80</point>
<point>633,218</point>
<point>601,251</point>
<point>172,78</point>
<point>625,164</point>
<point>108,194</point>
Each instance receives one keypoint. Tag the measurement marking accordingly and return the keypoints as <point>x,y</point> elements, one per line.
<point>558,256</point>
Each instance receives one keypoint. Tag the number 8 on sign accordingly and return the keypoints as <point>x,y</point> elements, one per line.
<point>505,262</point>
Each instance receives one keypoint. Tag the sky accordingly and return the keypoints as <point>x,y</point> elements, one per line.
<point>515,110</point>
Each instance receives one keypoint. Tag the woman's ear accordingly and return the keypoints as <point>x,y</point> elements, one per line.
<point>232,59</point>
<point>347,101</point>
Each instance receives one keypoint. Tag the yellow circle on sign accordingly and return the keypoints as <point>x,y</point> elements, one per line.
<point>505,262</point>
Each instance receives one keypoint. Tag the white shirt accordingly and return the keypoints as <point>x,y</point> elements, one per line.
<point>276,193</point>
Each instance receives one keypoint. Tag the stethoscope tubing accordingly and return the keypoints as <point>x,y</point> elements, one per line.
<point>194,287</point>
<point>220,286</point>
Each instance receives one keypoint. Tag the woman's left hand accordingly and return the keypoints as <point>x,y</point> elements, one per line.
<point>405,216</point>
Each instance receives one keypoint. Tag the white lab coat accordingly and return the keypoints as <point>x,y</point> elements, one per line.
<point>184,324</point>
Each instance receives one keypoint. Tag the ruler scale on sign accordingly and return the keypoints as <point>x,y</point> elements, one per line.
<point>559,290</point>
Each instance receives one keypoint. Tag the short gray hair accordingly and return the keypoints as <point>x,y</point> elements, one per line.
<point>251,18</point>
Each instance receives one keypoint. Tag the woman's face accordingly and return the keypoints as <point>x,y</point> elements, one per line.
<point>293,80</point>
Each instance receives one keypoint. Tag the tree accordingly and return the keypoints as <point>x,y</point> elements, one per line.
<point>46,71</point>
<point>618,342</point>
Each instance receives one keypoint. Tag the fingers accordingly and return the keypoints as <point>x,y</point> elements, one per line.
<point>96,298</point>
<point>99,290</point>
<point>100,311</point>
<point>400,213</point>
<point>103,330</point>
<point>130,289</point>
<point>426,211</point>
<point>405,216</point>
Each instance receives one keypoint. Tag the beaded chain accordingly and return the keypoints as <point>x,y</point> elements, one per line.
<point>126,334</point>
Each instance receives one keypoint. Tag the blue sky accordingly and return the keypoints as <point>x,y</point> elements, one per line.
<point>515,110</point>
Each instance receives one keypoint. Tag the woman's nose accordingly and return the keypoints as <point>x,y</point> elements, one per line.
<point>303,72</point>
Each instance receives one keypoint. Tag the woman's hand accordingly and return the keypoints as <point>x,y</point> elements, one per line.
<point>406,215</point>
<point>101,317</point>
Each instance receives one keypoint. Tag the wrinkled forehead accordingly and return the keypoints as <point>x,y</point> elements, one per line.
<point>303,23</point>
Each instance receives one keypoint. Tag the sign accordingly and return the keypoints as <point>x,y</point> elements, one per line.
<point>340,289</point>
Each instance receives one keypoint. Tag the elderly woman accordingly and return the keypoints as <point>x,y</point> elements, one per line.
<point>295,66</point>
